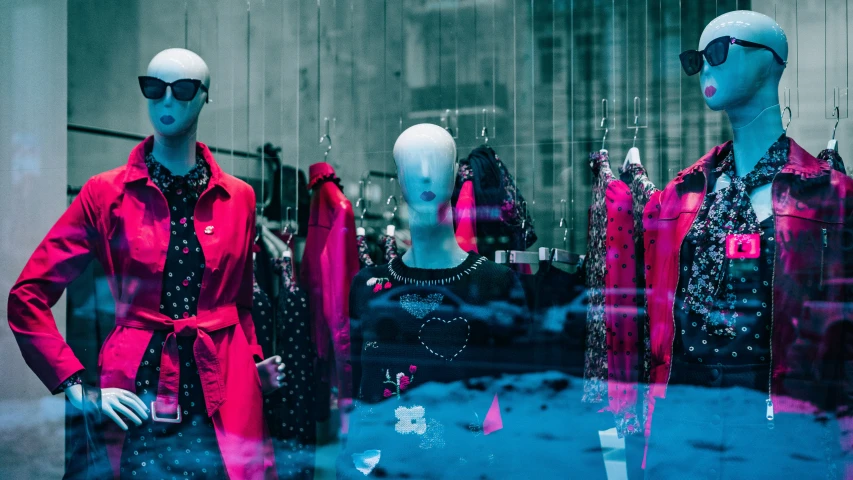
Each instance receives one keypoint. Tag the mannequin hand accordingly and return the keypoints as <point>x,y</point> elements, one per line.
<point>271,372</point>
<point>113,402</point>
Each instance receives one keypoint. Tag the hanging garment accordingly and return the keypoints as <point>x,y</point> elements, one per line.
<point>434,340</point>
<point>614,327</point>
<point>501,222</point>
<point>287,189</point>
<point>270,246</point>
<point>296,423</point>
<point>90,317</point>
<point>289,410</point>
<point>807,358</point>
<point>389,245</point>
<point>329,263</point>
<point>834,158</point>
<point>465,212</point>
<point>364,258</point>
<point>123,219</point>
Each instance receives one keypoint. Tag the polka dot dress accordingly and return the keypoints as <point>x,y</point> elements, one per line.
<point>188,449</point>
<point>289,410</point>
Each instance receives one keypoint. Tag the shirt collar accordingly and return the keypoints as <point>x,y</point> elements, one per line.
<point>138,170</point>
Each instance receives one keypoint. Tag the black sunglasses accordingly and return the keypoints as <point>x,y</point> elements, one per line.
<point>184,90</point>
<point>716,53</point>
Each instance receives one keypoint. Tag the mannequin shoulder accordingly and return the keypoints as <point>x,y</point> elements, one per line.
<point>238,189</point>
<point>106,186</point>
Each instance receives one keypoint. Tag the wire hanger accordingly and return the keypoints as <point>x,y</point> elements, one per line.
<point>391,228</point>
<point>361,203</point>
<point>633,155</point>
<point>561,255</point>
<point>833,143</point>
<point>603,122</point>
<point>485,132</point>
<point>324,138</point>
<point>790,117</point>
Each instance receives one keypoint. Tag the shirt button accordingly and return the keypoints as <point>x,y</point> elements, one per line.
<point>179,191</point>
<point>186,282</point>
<point>186,314</point>
<point>186,250</point>
<point>183,220</point>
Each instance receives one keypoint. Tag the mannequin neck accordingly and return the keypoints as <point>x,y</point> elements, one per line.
<point>176,153</point>
<point>756,128</point>
<point>434,243</point>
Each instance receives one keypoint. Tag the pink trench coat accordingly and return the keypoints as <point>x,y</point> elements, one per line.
<point>121,219</point>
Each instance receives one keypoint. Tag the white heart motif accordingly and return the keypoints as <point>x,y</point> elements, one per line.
<point>367,461</point>
<point>446,355</point>
<point>418,306</point>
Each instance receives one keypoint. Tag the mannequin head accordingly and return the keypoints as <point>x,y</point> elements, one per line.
<point>749,78</point>
<point>426,169</point>
<point>169,116</point>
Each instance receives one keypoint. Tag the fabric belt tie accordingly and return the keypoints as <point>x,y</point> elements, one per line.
<point>204,351</point>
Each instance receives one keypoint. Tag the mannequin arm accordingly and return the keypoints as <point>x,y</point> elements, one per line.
<point>59,259</point>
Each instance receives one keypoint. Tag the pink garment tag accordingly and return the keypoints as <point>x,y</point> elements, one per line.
<point>743,245</point>
<point>493,422</point>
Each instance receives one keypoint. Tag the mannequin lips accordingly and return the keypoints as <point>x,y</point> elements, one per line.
<point>167,119</point>
<point>710,90</point>
<point>427,196</point>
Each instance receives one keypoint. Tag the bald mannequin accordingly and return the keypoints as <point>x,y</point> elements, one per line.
<point>175,122</point>
<point>746,87</point>
<point>426,168</point>
<point>175,125</point>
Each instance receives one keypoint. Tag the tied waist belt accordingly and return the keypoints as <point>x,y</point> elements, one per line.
<point>166,407</point>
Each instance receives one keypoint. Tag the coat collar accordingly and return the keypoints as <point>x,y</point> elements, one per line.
<point>800,163</point>
<point>137,170</point>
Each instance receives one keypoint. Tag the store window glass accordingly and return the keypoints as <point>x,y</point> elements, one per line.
<point>427,239</point>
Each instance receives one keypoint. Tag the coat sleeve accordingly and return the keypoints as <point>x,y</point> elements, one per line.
<point>339,264</point>
<point>59,259</point>
<point>245,294</point>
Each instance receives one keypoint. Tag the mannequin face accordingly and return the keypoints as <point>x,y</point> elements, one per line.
<point>746,71</point>
<point>426,167</point>
<point>171,117</point>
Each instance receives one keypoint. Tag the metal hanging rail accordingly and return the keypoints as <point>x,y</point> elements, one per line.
<point>106,132</point>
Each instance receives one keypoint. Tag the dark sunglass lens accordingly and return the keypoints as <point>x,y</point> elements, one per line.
<point>184,90</point>
<point>717,51</point>
<point>691,62</point>
<point>152,88</point>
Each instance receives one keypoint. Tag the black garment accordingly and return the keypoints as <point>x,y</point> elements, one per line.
<point>555,298</point>
<point>190,448</point>
<point>834,159</point>
<point>289,410</point>
<point>712,425</point>
<point>751,279</point>
<point>91,316</point>
<point>503,220</point>
<point>433,341</point>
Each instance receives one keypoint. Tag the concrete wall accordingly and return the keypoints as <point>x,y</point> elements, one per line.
<point>33,171</point>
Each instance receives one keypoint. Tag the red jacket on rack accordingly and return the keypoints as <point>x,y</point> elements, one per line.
<point>811,344</point>
<point>121,219</point>
<point>329,264</point>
